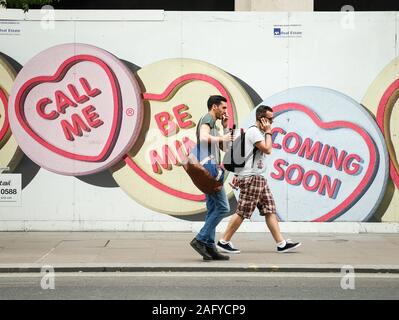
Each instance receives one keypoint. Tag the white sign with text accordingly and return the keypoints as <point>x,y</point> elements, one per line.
<point>10,189</point>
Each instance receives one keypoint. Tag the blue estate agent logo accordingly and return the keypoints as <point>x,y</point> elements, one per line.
<point>287,31</point>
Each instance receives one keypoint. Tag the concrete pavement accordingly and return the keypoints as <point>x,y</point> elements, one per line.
<point>170,251</point>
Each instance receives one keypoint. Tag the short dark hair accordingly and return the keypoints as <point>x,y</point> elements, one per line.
<point>216,99</point>
<point>261,111</point>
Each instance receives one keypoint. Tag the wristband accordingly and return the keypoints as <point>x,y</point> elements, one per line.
<point>268,133</point>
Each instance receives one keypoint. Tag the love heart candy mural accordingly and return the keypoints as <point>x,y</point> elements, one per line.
<point>175,96</point>
<point>10,153</point>
<point>329,159</point>
<point>75,109</point>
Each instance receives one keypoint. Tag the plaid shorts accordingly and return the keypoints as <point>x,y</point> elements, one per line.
<point>254,191</point>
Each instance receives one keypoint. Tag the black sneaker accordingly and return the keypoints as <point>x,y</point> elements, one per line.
<point>289,246</point>
<point>227,247</point>
<point>215,254</point>
<point>201,248</point>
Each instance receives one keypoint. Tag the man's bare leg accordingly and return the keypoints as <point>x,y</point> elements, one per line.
<point>272,224</point>
<point>234,224</point>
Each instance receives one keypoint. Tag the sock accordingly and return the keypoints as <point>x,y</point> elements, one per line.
<point>223,241</point>
<point>281,244</point>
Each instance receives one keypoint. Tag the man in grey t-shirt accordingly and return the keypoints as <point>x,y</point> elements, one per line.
<point>217,204</point>
<point>254,191</point>
<point>213,148</point>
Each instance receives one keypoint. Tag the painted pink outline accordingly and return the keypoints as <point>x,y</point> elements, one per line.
<point>61,72</point>
<point>180,81</point>
<point>381,113</point>
<point>174,85</point>
<point>336,212</point>
<point>6,124</point>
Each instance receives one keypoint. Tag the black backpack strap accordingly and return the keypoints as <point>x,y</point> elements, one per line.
<point>253,155</point>
<point>242,144</point>
<point>254,151</point>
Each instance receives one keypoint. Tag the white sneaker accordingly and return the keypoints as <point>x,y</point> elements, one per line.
<point>227,247</point>
<point>289,246</point>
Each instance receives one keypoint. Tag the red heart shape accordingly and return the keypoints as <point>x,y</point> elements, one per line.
<point>6,124</point>
<point>58,76</point>
<point>382,114</point>
<point>167,93</point>
<point>372,167</point>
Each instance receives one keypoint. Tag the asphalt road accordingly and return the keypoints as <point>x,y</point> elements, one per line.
<point>199,286</point>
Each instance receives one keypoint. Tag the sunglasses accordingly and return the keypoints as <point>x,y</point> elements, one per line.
<point>270,119</point>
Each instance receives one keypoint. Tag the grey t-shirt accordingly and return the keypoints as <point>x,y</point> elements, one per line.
<point>252,136</point>
<point>213,148</point>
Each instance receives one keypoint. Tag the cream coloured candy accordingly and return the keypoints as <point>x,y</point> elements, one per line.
<point>175,98</point>
<point>10,153</point>
<point>381,98</point>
